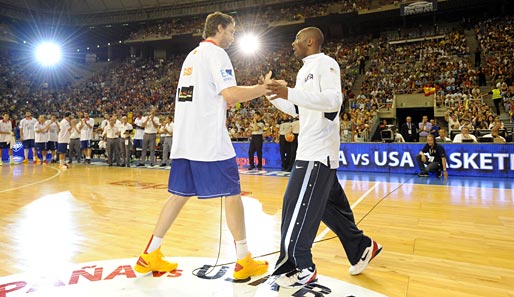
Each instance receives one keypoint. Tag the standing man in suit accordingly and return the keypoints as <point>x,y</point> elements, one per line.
<point>409,130</point>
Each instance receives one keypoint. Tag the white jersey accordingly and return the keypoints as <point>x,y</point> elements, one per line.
<point>65,131</point>
<point>86,133</point>
<point>41,136</point>
<point>200,131</point>
<point>27,125</point>
<point>5,127</point>
<point>53,132</point>
<point>140,132</point>
<point>318,98</point>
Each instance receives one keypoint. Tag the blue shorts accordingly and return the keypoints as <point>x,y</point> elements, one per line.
<point>62,148</point>
<point>204,179</point>
<point>138,143</point>
<point>51,145</point>
<point>40,146</point>
<point>85,144</point>
<point>28,143</point>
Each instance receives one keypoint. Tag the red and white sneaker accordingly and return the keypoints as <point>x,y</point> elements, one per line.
<point>367,255</point>
<point>297,278</point>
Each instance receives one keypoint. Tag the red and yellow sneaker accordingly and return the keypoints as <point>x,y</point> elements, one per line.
<point>154,261</point>
<point>249,267</point>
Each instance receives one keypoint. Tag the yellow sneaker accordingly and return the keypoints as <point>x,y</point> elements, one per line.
<point>154,262</point>
<point>25,161</point>
<point>249,267</point>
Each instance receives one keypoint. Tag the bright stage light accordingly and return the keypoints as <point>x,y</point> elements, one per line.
<point>48,53</point>
<point>249,44</point>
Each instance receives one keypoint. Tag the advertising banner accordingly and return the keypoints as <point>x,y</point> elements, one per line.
<point>492,160</point>
<point>418,7</point>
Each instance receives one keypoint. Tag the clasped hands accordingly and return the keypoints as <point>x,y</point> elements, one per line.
<point>276,88</point>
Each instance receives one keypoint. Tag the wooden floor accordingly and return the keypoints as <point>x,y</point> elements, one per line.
<point>440,239</point>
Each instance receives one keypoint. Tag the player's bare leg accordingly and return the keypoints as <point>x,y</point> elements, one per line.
<point>245,265</point>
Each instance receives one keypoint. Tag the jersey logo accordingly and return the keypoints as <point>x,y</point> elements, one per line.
<point>226,74</point>
<point>185,94</point>
<point>309,76</point>
<point>188,71</point>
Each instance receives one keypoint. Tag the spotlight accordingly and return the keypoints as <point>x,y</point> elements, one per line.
<point>48,53</point>
<point>248,43</point>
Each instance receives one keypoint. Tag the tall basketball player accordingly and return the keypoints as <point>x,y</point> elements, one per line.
<point>205,165</point>
<point>313,192</point>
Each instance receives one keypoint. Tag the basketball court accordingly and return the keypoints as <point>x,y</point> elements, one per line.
<point>81,229</point>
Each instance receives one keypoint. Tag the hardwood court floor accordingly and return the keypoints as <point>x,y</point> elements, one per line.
<point>452,238</point>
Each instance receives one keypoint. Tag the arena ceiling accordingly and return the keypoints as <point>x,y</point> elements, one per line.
<point>99,6</point>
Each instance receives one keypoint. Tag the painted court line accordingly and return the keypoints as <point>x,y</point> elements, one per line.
<point>35,183</point>
<point>325,232</point>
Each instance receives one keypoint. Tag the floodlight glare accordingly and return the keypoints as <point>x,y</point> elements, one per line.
<point>249,44</point>
<point>48,53</point>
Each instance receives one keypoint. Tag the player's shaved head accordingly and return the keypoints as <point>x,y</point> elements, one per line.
<point>308,42</point>
<point>315,34</point>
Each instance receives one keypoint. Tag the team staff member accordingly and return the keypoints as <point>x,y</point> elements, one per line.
<point>111,133</point>
<point>41,137</point>
<point>436,160</point>
<point>86,134</point>
<point>313,192</point>
<point>74,149</point>
<point>295,129</point>
<point>256,141</point>
<point>27,136</point>
<point>63,140</point>
<point>166,140</point>
<point>284,128</point>
<point>139,134</point>
<point>205,165</point>
<point>151,124</point>
<point>126,143</point>
<point>53,136</point>
<point>6,137</point>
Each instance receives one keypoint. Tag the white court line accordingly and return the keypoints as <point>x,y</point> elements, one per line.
<point>38,182</point>
<point>325,232</point>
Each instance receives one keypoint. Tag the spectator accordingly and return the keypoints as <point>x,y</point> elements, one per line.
<point>442,138</point>
<point>464,136</point>
<point>424,129</point>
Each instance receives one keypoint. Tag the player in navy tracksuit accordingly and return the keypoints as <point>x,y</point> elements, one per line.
<point>313,193</point>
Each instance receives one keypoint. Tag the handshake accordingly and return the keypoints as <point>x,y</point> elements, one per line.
<point>275,88</point>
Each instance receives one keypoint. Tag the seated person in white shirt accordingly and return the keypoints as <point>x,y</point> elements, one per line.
<point>443,138</point>
<point>495,135</point>
<point>464,135</point>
